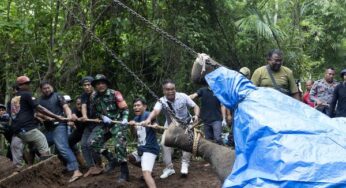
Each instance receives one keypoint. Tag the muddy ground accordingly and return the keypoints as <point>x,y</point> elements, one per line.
<point>6,167</point>
<point>50,174</point>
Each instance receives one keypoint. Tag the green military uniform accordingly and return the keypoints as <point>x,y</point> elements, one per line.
<point>284,79</point>
<point>107,104</point>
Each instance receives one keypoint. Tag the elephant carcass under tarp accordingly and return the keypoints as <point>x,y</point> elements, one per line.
<point>280,142</point>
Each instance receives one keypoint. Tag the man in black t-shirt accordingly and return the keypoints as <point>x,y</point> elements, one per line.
<point>58,130</point>
<point>92,159</point>
<point>213,114</point>
<point>22,109</point>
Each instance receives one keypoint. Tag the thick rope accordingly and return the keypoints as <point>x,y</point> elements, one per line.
<point>197,136</point>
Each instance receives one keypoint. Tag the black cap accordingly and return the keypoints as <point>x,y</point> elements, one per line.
<point>342,73</point>
<point>86,79</point>
<point>2,106</point>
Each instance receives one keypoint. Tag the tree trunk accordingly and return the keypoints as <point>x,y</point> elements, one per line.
<point>220,157</point>
<point>276,12</point>
<point>51,55</point>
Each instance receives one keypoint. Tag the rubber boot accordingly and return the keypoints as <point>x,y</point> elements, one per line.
<point>108,155</point>
<point>124,173</point>
<point>111,165</point>
<point>112,162</point>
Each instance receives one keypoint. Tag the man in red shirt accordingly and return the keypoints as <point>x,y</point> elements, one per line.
<point>306,96</point>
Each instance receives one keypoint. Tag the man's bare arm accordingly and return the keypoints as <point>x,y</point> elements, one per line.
<point>196,111</point>
<point>193,96</point>
<point>67,111</point>
<point>84,111</point>
<point>223,112</point>
<point>48,113</point>
<point>152,116</point>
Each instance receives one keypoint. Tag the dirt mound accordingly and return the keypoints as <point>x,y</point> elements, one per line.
<point>44,174</point>
<point>50,174</point>
<point>6,167</point>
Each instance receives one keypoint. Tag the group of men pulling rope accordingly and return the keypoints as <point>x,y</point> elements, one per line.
<point>101,113</point>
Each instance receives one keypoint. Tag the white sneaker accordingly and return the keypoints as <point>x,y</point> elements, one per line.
<point>167,172</point>
<point>184,168</point>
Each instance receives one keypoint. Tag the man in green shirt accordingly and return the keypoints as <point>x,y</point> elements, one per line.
<point>281,79</point>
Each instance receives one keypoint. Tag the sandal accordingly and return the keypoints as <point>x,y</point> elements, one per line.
<point>75,178</point>
<point>89,172</point>
<point>96,171</point>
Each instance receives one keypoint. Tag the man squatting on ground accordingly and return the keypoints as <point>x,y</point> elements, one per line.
<point>148,148</point>
<point>179,104</point>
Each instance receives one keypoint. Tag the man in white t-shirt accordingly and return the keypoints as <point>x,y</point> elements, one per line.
<point>179,104</point>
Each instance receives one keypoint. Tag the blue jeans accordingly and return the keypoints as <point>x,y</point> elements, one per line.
<point>213,131</point>
<point>60,139</point>
<point>90,157</point>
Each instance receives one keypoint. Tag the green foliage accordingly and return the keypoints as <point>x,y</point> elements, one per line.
<point>41,39</point>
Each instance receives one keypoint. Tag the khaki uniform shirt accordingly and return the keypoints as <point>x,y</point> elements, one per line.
<point>284,79</point>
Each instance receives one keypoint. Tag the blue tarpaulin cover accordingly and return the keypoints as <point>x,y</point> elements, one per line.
<point>280,142</point>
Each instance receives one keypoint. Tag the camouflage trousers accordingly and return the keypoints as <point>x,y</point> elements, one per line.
<point>103,134</point>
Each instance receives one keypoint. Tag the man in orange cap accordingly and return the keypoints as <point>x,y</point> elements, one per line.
<point>22,109</point>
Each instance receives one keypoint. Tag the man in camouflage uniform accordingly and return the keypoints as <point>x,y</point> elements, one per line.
<point>109,105</point>
<point>322,90</point>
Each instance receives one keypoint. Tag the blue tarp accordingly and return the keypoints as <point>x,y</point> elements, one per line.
<point>280,142</point>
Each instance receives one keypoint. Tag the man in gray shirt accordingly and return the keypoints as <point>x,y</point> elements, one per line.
<point>179,104</point>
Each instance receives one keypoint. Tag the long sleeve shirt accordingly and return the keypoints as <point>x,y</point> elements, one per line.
<point>323,91</point>
<point>339,99</point>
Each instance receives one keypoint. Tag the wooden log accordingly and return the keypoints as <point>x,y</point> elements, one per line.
<point>220,157</point>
